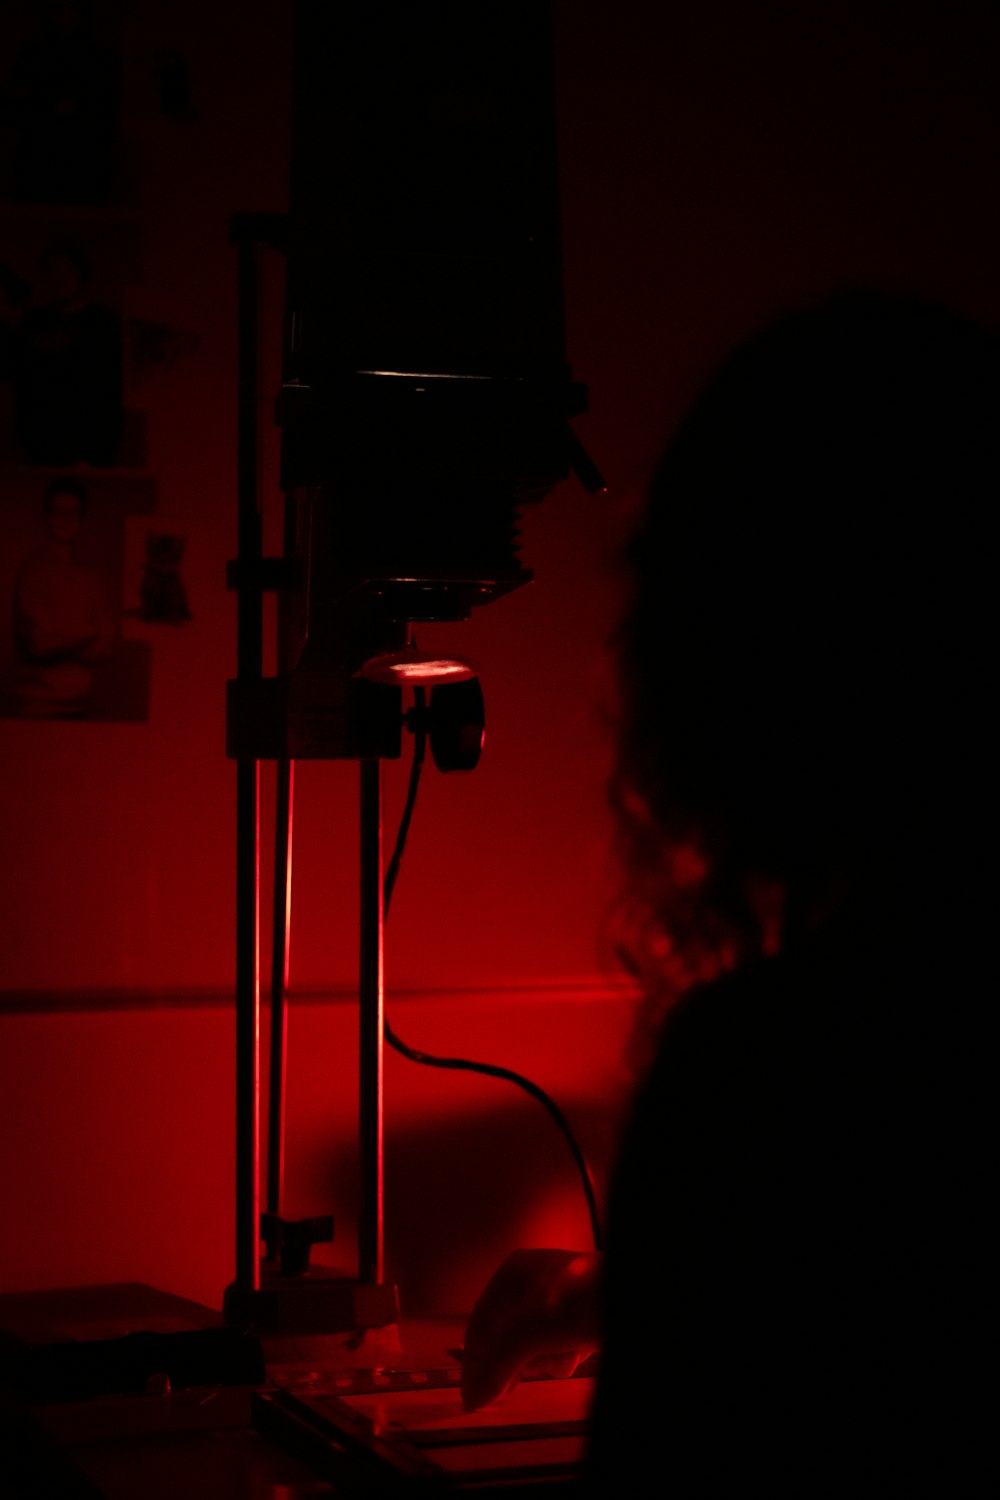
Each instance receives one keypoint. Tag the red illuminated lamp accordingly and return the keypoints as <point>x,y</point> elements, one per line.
<point>410,667</point>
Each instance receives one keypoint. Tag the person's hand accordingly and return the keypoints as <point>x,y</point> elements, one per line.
<point>537,1315</point>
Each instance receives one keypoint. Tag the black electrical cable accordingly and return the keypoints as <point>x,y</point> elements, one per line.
<point>491,1070</point>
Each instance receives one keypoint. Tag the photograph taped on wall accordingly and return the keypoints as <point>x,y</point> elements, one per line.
<point>61,103</point>
<point>156,591</point>
<point>62,565</point>
<point>63,279</point>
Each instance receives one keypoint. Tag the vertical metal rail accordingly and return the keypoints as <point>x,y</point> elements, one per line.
<point>372,1001</point>
<point>280,949</point>
<point>249,666</point>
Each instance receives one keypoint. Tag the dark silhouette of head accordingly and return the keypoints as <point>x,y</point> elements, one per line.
<point>806,662</point>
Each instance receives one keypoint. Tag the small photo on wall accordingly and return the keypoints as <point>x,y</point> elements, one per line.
<point>63,654</point>
<point>156,589</point>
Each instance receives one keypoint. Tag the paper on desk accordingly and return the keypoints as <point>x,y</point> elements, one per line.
<point>532,1403</point>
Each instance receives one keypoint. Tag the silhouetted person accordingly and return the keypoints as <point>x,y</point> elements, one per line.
<point>69,382</point>
<point>63,624</point>
<point>794,1295</point>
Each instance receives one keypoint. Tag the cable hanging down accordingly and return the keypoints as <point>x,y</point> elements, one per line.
<point>490,1070</point>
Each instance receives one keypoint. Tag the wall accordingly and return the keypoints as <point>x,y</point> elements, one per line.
<point>719,163</point>
<point>150,807</point>
<point>118,1138</point>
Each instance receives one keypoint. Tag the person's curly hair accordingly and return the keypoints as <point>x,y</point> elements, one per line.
<point>805,664</point>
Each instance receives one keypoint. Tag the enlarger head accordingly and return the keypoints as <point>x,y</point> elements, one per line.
<point>425,396</point>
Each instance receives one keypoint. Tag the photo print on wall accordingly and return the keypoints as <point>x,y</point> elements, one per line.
<point>62,340</point>
<point>156,591</point>
<point>61,103</point>
<point>63,653</point>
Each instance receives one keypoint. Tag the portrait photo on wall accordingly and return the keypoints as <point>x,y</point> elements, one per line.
<point>62,344</point>
<point>156,591</point>
<point>63,653</point>
<point>61,102</point>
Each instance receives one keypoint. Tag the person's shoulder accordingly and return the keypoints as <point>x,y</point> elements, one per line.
<point>733,1010</point>
<point>760,1030</point>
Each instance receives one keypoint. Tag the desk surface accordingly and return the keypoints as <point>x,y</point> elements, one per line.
<point>196,1443</point>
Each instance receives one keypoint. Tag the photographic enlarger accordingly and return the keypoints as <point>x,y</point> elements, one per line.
<point>425,400</point>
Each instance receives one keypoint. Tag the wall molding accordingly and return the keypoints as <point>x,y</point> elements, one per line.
<point>578,990</point>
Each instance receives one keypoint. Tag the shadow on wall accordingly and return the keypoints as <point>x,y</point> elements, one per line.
<point>461,1193</point>
<point>462,1200</point>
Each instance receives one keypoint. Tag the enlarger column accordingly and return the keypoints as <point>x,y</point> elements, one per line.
<point>372,1006</point>
<point>249,662</point>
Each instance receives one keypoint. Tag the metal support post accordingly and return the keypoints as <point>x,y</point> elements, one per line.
<point>372,1001</point>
